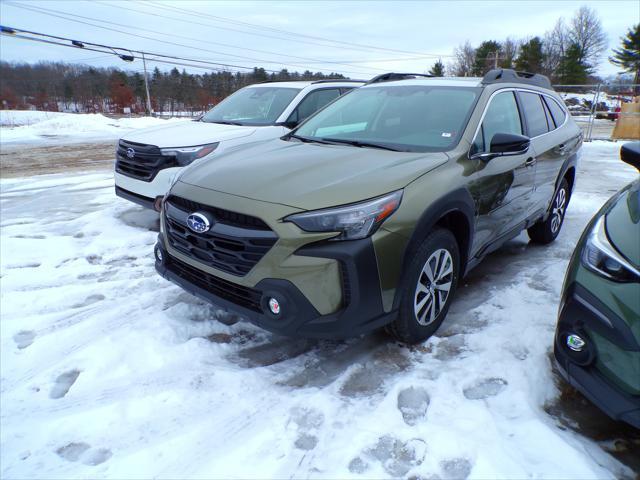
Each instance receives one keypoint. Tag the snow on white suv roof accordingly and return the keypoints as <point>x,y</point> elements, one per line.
<point>147,160</point>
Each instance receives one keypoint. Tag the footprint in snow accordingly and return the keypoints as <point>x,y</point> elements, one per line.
<point>485,388</point>
<point>455,468</point>
<point>395,456</point>
<point>308,421</point>
<point>370,378</point>
<point>24,338</point>
<point>64,383</point>
<point>413,403</point>
<point>94,259</point>
<point>89,300</point>
<point>83,452</point>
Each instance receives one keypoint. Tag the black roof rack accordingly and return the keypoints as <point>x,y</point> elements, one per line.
<point>507,75</point>
<point>391,76</point>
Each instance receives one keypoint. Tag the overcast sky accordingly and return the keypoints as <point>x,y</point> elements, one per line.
<point>359,39</point>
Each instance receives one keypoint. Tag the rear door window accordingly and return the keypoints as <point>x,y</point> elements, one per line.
<point>556,111</point>
<point>534,113</point>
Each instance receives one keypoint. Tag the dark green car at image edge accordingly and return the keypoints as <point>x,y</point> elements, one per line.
<point>597,343</point>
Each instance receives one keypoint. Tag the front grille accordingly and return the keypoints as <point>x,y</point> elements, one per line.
<point>224,216</point>
<point>146,162</point>
<point>239,295</point>
<point>230,244</point>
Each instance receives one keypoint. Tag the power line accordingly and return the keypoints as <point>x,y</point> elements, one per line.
<point>341,45</point>
<point>63,15</point>
<point>158,40</point>
<point>95,47</point>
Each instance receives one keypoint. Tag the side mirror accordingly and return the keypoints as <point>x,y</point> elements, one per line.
<point>630,153</point>
<point>503,145</point>
<point>509,144</point>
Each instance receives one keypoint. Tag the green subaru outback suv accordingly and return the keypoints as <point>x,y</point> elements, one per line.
<point>370,212</point>
<point>597,345</point>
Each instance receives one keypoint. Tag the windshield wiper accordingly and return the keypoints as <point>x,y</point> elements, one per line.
<point>362,144</point>
<point>309,139</point>
<point>226,122</point>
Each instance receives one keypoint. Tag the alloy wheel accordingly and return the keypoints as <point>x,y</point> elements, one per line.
<point>557,214</point>
<point>434,285</point>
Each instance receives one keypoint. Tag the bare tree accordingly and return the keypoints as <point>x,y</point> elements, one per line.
<point>462,66</point>
<point>510,48</point>
<point>555,44</point>
<point>585,30</point>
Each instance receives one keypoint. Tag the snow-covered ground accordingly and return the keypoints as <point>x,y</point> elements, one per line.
<point>107,370</point>
<point>26,126</point>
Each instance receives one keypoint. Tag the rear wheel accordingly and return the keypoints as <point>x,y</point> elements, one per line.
<point>545,232</point>
<point>432,279</point>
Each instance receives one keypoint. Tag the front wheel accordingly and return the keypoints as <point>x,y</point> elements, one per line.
<point>432,280</point>
<point>544,232</point>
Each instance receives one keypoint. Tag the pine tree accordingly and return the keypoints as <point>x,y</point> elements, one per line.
<point>628,56</point>
<point>438,69</point>
<point>573,70</point>
<point>486,57</point>
<point>531,58</point>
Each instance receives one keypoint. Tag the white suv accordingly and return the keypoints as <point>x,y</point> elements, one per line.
<point>147,160</point>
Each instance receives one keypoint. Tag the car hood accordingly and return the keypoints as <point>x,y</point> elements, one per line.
<point>623,223</point>
<point>184,134</point>
<point>310,175</point>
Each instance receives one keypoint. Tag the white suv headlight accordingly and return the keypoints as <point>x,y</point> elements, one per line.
<point>599,256</point>
<point>355,221</point>
<point>186,155</point>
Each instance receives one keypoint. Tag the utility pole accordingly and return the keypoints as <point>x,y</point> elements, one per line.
<point>495,59</point>
<point>146,85</point>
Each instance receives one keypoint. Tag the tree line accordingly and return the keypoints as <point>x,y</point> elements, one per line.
<point>568,53</point>
<point>57,86</point>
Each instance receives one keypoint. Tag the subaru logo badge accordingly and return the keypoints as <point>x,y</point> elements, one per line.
<point>198,223</point>
<point>131,152</point>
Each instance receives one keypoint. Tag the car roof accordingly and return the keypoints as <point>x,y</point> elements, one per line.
<point>308,83</point>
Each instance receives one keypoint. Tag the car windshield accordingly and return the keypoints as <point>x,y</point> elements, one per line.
<point>413,118</point>
<point>252,106</point>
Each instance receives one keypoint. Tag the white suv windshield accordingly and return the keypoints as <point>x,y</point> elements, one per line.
<point>414,118</point>
<point>252,106</point>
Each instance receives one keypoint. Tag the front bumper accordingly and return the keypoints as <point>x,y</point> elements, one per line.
<point>144,193</point>
<point>362,310</point>
<point>582,313</point>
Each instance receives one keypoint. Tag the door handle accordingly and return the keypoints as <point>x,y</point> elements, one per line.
<point>531,161</point>
<point>561,148</point>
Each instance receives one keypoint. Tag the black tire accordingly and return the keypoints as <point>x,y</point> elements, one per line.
<point>407,327</point>
<point>545,232</point>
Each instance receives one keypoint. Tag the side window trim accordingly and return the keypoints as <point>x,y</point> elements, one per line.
<point>522,117</point>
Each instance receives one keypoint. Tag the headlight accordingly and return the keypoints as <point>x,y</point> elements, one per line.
<point>186,155</point>
<point>599,256</point>
<point>354,221</point>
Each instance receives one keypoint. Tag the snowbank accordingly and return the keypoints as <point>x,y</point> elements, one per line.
<point>32,126</point>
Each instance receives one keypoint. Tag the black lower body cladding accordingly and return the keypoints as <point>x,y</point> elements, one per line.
<point>361,312</point>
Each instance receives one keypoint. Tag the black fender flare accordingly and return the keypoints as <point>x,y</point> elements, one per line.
<point>459,200</point>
